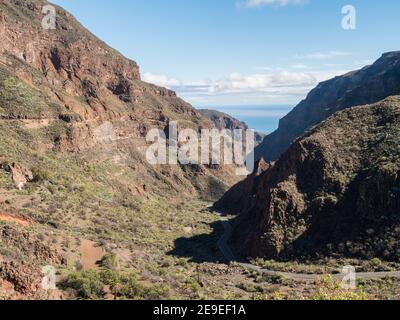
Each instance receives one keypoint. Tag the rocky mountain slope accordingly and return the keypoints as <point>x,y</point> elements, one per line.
<point>336,191</point>
<point>74,115</point>
<point>224,121</point>
<point>81,94</point>
<point>368,85</point>
<point>239,197</point>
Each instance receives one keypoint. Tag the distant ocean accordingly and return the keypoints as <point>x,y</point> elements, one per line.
<point>264,119</point>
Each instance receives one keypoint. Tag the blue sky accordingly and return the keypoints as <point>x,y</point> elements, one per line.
<point>241,52</point>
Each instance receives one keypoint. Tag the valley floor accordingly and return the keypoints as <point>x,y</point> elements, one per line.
<point>169,251</point>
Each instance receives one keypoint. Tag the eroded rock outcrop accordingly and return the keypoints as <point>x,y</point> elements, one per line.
<point>24,270</point>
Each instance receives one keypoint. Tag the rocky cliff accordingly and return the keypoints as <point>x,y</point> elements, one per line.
<point>368,85</point>
<point>241,195</point>
<point>334,192</point>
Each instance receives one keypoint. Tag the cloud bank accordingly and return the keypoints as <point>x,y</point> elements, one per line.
<point>161,80</point>
<point>273,87</point>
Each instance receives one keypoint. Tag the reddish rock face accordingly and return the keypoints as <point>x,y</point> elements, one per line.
<point>69,53</point>
<point>74,66</point>
<point>72,61</point>
<point>89,91</point>
<point>25,277</point>
<point>335,191</point>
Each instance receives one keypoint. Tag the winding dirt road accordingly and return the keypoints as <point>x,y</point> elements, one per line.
<point>300,277</point>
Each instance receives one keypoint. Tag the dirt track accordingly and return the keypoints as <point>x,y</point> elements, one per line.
<point>230,256</point>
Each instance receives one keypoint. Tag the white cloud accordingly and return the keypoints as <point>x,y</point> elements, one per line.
<point>273,87</point>
<point>278,87</point>
<point>275,3</point>
<point>256,113</point>
<point>324,55</point>
<point>237,82</point>
<point>161,80</point>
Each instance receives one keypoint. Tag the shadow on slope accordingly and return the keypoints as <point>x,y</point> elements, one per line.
<point>201,248</point>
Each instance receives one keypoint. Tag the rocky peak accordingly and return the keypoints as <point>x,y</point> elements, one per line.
<point>223,120</point>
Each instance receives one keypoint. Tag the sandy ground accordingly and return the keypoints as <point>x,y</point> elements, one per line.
<point>90,254</point>
<point>10,218</point>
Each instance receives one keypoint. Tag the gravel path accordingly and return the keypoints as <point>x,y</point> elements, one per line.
<point>230,256</point>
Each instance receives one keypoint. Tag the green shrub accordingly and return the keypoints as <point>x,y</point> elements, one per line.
<point>274,279</point>
<point>130,288</point>
<point>109,261</point>
<point>156,292</point>
<point>18,99</point>
<point>375,263</point>
<point>40,175</point>
<point>88,284</point>
<point>248,287</point>
<point>110,278</point>
<point>329,289</point>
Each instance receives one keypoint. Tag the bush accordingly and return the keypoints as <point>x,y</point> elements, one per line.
<point>328,289</point>
<point>109,261</point>
<point>88,284</point>
<point>156,292</point>
<point>375,263</point>
<point>248,287</point>
<point>40,175</point>
<point>130,288</point>
<point>274,279</point>
<point>110,278</point>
